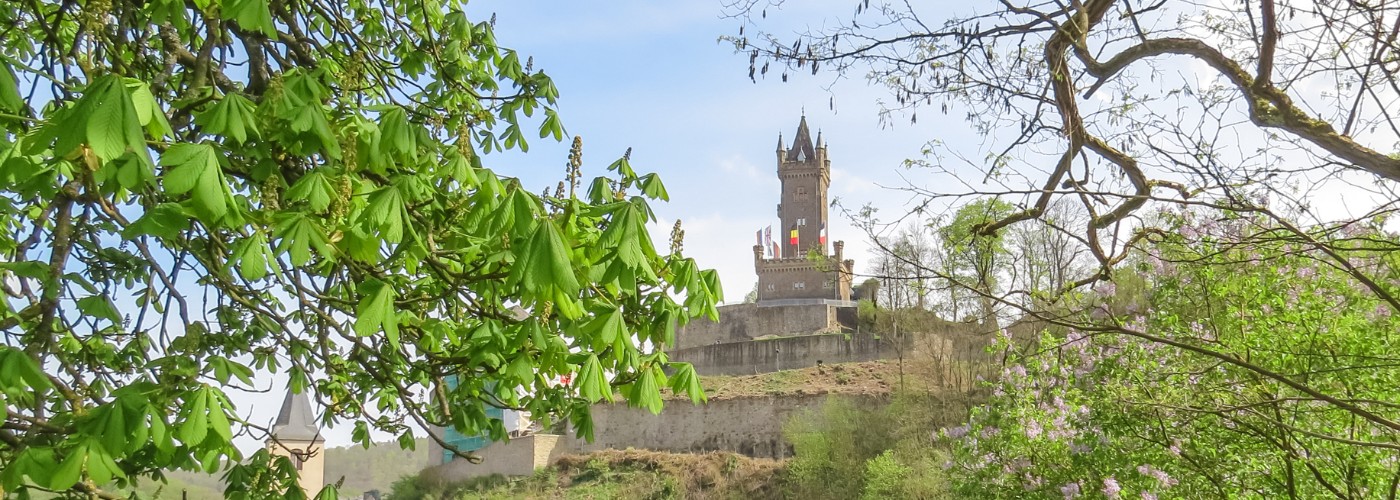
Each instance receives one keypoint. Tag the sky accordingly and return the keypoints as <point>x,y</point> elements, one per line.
<point>653,76</point>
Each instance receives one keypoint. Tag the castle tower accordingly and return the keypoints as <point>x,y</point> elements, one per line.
<point>805,173</point>
<point>296,435</point>
<point>795,275</point>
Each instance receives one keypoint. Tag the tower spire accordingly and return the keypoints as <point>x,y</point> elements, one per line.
<point>802,149</point>
<point>296,422</point>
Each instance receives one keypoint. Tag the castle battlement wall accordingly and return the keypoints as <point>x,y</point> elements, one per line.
<point>745,322</point>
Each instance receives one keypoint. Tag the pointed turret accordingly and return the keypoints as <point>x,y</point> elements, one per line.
<point>821,144</point>
<point>780,143</point>
<point>802,149</point>
<point>296,422</point>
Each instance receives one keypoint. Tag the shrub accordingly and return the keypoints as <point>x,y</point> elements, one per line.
<point>884,477</point>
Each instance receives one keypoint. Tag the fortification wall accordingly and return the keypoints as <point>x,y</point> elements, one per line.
<point>749,426</point>
<point>784,353</point>
<point>744,322</point>
<point>517,457</point>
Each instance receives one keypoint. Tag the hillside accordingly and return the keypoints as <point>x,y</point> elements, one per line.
<point>865,378</point>
<point>375,468</point>
<point>623,474</point>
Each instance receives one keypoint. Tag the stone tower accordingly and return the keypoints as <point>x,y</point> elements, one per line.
<point>296,435</point>
<point>801,271</point>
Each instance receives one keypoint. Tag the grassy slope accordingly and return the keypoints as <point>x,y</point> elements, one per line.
<point>635,474</point>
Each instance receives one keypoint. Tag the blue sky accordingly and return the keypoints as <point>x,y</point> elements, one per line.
<point>652,76</point>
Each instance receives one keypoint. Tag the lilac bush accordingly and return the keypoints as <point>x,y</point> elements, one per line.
<point>1244,360</point>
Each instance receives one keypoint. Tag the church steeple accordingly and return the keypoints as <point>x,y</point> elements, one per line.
<point>802,149</point>
<point>296,435</point>
<point>295,421</point>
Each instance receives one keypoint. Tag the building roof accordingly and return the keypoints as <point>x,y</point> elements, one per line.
<point>296,422</point>
<point>802,149</point>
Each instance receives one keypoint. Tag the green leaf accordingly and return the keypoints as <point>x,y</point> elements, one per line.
<point>315,189</point>
<point>387,214</point>
<point>214,403</point>
<point>166,220</point>
<point>10,99</point>
<point>376,310</point>
<point>71,470</point>
<point>101,307</point>
<point>234,117</point>
<point>591,383</point>
<point>113,126</point>
<point>195,425</point>
<point>606,328</point>
<point>194,169</point>
<point>297,235</point>
<point>623,167</point>
<point>521,368</point>
<point>17,366</point>
<point>252,15</point>
<point>684,380</point>
<point>546,266</point>
<point>652,187</point>
<point>552,125</point>
<point>645,392</point>
<point>251,256</point>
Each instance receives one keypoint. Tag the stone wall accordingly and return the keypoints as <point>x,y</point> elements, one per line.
<point>784,353</point>
<point>749,426</point>
<point>517,457</point>
<point>744,322</point>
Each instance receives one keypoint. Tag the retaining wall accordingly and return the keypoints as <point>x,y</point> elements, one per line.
<point>744,322</point>
<point>784,353</point>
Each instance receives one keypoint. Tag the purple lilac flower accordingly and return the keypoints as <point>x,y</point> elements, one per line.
<point>1158,474</point>
<point>1106,289</point>
<point>956,432</point>
<point>1070,490</point>
<point>1033,429</point>
<point>1111,487</point>
<point>1382,312</point>
<point>1147,495</point>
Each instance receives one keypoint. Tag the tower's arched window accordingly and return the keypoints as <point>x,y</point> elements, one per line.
<point>801,193</point>
<point>298,458</point>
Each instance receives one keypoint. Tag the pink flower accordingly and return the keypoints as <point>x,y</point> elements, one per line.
<point>1070,490</point>
<point>1111,488</point>
<point>1033,429</point>
<point>1147,495</point>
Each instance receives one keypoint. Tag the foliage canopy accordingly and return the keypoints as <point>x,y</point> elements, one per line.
<point>197,194</point>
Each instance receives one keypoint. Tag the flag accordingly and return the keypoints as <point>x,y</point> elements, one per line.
<point>768,239</point>
<point>821,238</point>
<point>775,249</point>
<point>759,236</point>
<point>794,235</point>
